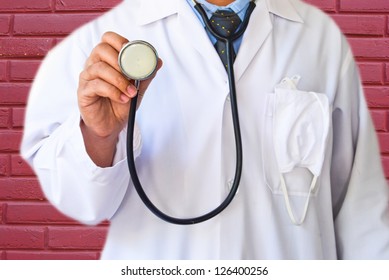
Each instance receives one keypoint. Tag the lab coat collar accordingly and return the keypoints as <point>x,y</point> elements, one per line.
<point>153,10</point>
<point>284,9</point>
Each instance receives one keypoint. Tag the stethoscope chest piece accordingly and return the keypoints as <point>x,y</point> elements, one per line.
<point>138,60</point>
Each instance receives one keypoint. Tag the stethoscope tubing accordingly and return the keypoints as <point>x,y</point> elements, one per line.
<point>235,118</point>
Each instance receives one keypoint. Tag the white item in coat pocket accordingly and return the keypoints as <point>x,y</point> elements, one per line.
<point>300,129</point>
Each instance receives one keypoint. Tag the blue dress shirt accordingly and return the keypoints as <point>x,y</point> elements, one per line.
<point>238,6</point>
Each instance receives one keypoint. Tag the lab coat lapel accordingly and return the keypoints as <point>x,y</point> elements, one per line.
<point>260,27</point>
<point>258,30</point>
<point>194,32</point>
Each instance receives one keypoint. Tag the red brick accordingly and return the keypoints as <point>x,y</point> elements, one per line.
<point>77,237</point>
<point>38,213</point>
<point>388,28</point>
<point>35,213</point>
<point>23,70</point>
<point>50,255</point>
<point>364,5</point>
<point>326,5</point>
<point>14,93</point>
<point>20,189</point>
<point>370,47</point>
<point>1,213</point>
<point>85,5</point>
<point>384,142</point>
<point>10,141</point>
<point>381,120</point>
<point>25,5</point>
<point>54,24</point>
<point>3,71</point>
<point>361,24</point>
<point>4,117</point>
<point>371,73</point>
<point>18,117</point>
<point>377,97</point>
<point>24,47</point>
<point>5,24</point>
<point>19,167</point>
<point>387,73</point>
<point>4,165</point>
<point>25,237</point>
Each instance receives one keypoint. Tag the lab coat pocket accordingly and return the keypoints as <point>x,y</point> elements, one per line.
<point>295,135</point>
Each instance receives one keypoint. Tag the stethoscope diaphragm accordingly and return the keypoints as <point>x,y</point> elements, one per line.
<point>138,60</point>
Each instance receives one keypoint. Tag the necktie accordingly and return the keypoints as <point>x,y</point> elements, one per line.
<point>225,23</point>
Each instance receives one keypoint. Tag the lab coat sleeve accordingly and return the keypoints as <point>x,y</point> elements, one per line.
<point>54,147</point>
<point>360,190</point>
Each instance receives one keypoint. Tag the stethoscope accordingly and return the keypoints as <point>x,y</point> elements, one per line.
<point>138,61</point>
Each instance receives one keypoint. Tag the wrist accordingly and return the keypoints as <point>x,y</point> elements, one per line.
<point>101,149</point>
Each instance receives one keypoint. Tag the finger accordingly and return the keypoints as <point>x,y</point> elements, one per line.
<point>104,52</point>
<point>100,88</point>
<point>114,39</point>
<point>104,71</point>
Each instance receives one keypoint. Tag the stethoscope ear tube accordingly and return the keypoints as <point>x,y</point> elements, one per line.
<point>238,141</point>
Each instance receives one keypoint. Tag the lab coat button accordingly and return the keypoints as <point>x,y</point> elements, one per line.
<point>228,98</point>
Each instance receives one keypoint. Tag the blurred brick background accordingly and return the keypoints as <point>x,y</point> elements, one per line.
<point>30,228</point>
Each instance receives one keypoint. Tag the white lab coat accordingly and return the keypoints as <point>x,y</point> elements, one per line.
<point>186,149</point>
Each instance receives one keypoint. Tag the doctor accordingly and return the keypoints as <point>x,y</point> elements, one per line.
<point>312,185</point>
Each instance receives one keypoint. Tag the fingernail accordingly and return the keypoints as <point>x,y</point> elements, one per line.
<point>131,89</point>
<point>124,98</point>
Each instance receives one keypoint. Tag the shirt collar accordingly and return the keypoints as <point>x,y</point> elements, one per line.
<point>153,10</point>
<point>236,6</point>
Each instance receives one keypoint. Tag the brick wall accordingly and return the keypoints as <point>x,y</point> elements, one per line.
<point>30,228</point>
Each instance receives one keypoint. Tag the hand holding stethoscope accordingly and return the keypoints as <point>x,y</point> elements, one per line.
<point>104,95</point>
